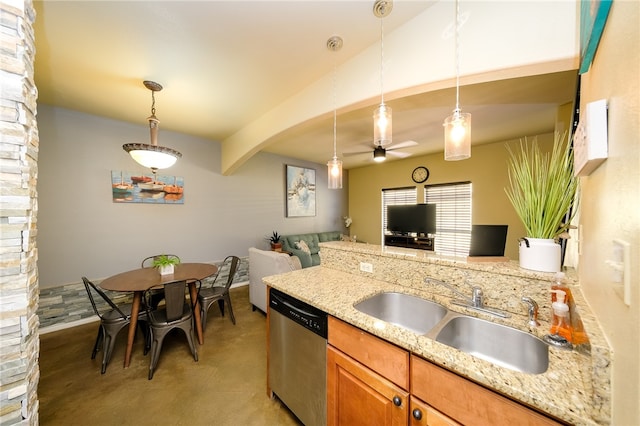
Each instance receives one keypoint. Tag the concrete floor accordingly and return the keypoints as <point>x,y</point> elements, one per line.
<point>227,386</point>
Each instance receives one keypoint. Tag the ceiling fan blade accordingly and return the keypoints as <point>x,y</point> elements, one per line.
<point>399,154</point>
<point>350,154</point>
<point>400,145</point>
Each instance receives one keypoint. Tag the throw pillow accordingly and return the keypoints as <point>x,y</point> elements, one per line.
<point>301,245</point>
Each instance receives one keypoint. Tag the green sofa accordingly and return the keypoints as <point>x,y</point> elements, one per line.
<point>312,240</point>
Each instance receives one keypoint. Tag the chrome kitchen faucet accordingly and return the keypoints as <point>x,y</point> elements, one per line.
<point>475,302</point>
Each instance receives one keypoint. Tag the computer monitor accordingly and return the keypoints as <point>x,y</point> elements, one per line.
<point>488,240</point>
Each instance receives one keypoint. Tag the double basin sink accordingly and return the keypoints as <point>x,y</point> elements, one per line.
<point>501,345</point>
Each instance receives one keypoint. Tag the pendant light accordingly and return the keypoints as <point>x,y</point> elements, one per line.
<point>152,155</point>
<point>382,123</point>
<point>457,127</point>
<point>334,166</point>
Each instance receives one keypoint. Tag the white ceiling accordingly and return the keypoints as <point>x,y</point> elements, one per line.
<point>224,64</point>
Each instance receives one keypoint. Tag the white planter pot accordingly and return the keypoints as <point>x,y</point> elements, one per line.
<point>540,255</point>
<point>166,270</point>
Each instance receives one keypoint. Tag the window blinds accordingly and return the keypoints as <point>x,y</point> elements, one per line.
<point>453,216</point>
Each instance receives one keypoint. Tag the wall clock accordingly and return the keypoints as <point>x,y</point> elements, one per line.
<point>420,174</point>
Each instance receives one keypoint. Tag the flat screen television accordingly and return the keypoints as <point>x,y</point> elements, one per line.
<point>411,218</point>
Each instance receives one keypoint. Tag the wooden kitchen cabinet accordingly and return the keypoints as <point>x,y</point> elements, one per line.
<point>466,401</point>
<point>357,396</point>
<point>423,415</point>
<point>367,379</point>
<point>367,376</point>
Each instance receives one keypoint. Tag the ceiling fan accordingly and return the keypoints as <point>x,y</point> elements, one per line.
<point>380,152</point>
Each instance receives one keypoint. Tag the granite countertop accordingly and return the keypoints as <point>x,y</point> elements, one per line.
<point>563,391</point>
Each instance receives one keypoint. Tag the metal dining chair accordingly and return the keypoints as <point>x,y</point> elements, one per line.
<point>112,320</point>
<point>177,312</point>
<point>219,293</point>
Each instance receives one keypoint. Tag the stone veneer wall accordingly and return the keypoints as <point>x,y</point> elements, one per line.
<point>68,305</point>
<point>19,341</point>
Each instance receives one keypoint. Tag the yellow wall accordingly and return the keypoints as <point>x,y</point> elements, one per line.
<point>611,202</point>
<point>486,169</point>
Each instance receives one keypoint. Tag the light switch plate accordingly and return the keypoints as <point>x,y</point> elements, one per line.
<point>621,263</point>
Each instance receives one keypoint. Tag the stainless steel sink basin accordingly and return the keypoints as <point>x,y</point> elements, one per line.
<point>407,311</point>
<point>498,344</point>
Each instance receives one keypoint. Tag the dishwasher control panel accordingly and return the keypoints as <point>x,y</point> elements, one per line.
<point>300,312</point>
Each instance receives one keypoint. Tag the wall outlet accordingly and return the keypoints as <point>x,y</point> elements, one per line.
<point>366,267</point>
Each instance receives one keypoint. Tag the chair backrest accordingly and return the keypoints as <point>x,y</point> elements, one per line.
<point>91,287</point>
<point>175,298</point>
<point>147,262</point>
<point>232,262</point>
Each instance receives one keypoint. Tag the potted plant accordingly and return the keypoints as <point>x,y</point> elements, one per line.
<point>274,239</point>
<point>542,189</point>
<point>165,264</point>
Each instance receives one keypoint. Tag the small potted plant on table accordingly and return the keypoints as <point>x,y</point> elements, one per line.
<point>274,239</point>
<point>165,264</point>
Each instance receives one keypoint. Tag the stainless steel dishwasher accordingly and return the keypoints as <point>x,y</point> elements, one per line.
<point>298,357</point>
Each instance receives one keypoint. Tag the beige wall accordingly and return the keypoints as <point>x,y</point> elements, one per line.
<point>486,169</point>
<point>611,202</point>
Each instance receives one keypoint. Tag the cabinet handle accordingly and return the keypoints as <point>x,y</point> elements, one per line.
<point>397,401</point>
<point>417,414</point>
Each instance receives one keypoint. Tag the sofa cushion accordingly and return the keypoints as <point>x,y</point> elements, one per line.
<point>312,240</point>
<point>323,237</point>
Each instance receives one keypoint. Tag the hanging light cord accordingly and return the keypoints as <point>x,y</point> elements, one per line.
<point>382,59</point>
<point>335,114</point>
<point>457,43</point>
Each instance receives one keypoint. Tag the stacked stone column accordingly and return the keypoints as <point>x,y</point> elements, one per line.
<point>19,341</point>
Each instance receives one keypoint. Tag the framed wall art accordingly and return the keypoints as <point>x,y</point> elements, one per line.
<point>300,191</point>
<point>127,187</point>
<point>593,16</point>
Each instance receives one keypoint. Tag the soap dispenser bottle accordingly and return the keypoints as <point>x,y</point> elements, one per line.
<point>561,323</point>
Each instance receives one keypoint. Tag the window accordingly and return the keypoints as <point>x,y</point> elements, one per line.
<point>453,217</point>
<point>396,196</point>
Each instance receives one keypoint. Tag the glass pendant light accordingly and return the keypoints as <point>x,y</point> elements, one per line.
<point>334,166</point>
<point>457,127</point>
<point>152,155</point>
<point>382,121</point>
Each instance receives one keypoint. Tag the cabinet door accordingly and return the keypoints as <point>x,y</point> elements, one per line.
<point>423,415</point>
<point>468,402</point>
<point>358,396</point>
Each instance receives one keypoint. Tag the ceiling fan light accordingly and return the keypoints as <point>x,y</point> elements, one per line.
<point>379,154</point>
<point>457,136</point>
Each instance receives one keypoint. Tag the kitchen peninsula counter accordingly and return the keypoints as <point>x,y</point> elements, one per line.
<point>575,388</point>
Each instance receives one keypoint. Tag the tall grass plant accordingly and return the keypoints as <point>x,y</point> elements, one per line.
<point>542,187</point>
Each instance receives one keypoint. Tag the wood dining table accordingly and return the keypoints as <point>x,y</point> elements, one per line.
<point>142,279</point>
